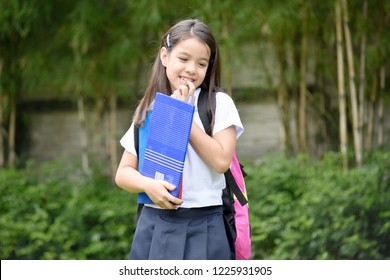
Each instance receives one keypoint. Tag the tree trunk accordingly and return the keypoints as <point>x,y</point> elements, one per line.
<point>83,135</point>
<point>293,96</point>
<point>11,135</point>
<point>371,113</point>
<point>362,82</point>
<point>285,131</point>
<point>302,91</point>
<point>2,134</point>
<point>341,88</point>
<point>380,106</point>
<point>112,138</point>
<point>322,130</point>
<point>352,87</point>
<point>98,125</point>
<point>2,130</point>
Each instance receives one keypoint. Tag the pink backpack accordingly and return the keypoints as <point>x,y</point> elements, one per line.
<point>243,235</point>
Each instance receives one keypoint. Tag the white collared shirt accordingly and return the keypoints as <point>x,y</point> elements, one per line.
<point>202,185</point>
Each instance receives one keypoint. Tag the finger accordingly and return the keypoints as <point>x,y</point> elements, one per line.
<point>191,88</point>
<point>171,206</point>
<point>176,94</point>
<point>175,201</point>
<point>169,186</point>
<point>168,204</point>
<point>183,90</point>
<point>172,201</point>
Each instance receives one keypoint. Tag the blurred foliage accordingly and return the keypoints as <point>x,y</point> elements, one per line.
<point>100,53</point>
<point>300,209</point>
<point>304,209</point>
<point>52,213</point>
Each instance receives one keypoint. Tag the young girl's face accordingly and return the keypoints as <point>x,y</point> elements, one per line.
<point>186,62</point>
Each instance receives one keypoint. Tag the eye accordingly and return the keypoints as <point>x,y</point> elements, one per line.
<point>184,59</point>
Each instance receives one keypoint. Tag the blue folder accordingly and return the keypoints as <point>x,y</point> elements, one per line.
<point>167,142</point>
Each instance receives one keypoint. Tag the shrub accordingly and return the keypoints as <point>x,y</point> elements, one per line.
<point>302,209</point>
<point>299,209</point>
<point>52,213</point>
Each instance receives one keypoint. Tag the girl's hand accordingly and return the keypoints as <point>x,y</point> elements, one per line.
<point>158,192</point>
<point>184,92</point>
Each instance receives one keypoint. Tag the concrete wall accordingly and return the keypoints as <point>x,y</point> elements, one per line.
<point>57,133</point>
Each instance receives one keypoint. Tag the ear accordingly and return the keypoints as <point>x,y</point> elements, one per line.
<point>164,56</point>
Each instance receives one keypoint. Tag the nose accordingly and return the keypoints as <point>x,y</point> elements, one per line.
<point>190,68</point>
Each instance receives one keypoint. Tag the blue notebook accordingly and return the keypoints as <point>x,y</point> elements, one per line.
<point>167,142</point>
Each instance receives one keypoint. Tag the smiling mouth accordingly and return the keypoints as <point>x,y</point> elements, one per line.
<point>186,80</point>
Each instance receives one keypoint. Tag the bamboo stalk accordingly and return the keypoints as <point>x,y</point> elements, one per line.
<point>380,106</point>
<point>362,80</point>
<point>2,130</point>
<point>12,135</point>
<point>302,89</point>
<point>83,135</point>
<point>352,86</point>
<point>341,88</point>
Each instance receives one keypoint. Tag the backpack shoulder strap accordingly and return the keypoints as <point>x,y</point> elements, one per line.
<point>136,138</point>
<point>204,110</point>
<point>205,115</point>
<point>136,145</point>
<point>231,182</point>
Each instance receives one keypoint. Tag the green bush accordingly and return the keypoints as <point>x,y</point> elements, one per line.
<point>52,213</point>
<point>299,209</point>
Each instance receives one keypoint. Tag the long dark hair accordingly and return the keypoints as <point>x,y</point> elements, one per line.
<point>159,81</point>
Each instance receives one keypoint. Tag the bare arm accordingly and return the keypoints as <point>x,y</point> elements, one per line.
<point>218,150</point>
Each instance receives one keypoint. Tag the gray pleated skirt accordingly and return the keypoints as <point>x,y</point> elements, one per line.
<point>182,234</point>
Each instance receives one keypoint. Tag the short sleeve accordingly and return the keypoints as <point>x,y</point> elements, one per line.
<point>226,114</point>
<point>127,141</point>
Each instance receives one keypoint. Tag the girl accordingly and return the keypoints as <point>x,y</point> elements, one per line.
<point>192,227</point>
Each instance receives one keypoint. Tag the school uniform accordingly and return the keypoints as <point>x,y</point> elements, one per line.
<point>196,229</point>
